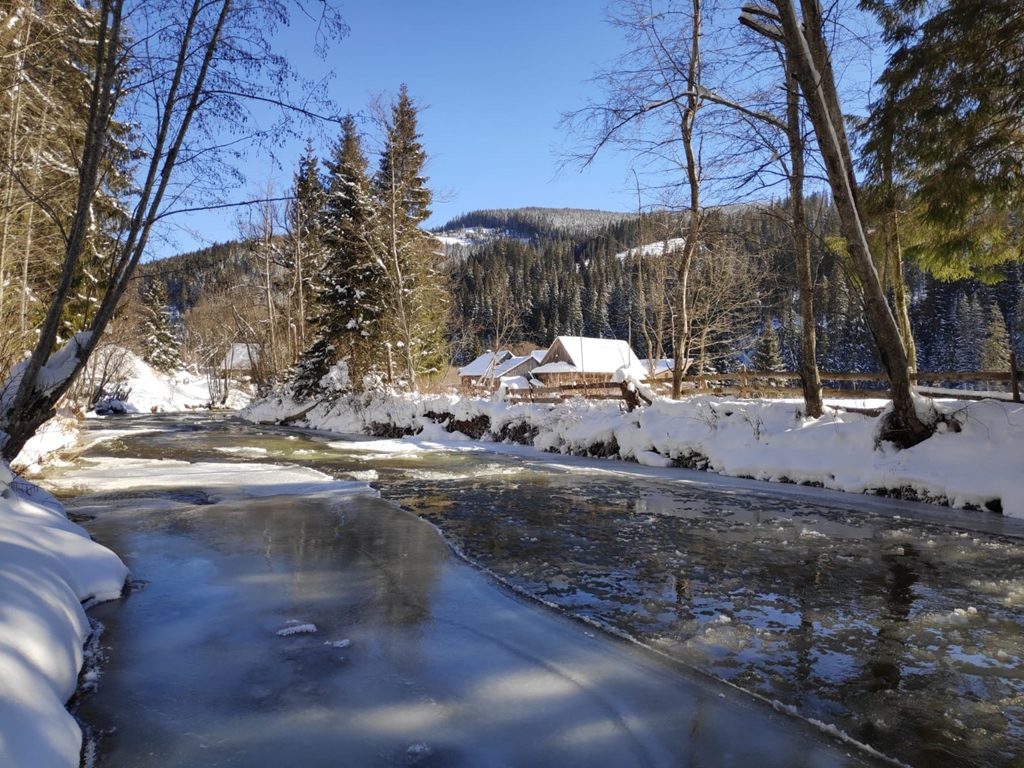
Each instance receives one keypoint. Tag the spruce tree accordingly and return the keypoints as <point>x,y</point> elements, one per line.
<point>159,345</point>
<point>995,349</point>
<point>767,354</point>
<point>970,333</point>
<point>416,299</point>
<point>950,121</point>
<point>349,302</point>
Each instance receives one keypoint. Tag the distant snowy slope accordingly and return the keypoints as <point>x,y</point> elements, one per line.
<point>655,249</point>
<point>533,223</point>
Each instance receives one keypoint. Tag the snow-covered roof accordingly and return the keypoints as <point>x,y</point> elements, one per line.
<point>485,364</point>
<point>589,355</point>
<point>515,362</point>
<point>556,368</point>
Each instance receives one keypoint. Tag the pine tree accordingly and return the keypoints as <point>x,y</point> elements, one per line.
<point>159,345</point>
<point>349,303</point>
<point>995,349</point>
<point>416,299</point>
<point>767,355</point>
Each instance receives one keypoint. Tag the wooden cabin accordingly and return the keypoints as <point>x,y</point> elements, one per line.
<point>582,360</point>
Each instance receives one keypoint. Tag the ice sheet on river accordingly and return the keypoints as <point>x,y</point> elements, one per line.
<point>219,481</point>
<point>417,659</point>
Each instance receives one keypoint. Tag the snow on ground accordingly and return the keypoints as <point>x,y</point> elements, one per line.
<point>151,391</point>
<point>50,566</point>
<point>655,249</point>
<point>55,435</point>
<point>978,463</point>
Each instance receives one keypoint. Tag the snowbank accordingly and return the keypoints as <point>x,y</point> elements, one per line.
<point>976,464</point>
<point>151,391</point>
<point>49,567</point>
<point>60,432</point>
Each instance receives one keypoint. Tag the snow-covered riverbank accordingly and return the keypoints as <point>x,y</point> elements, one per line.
<point>50,567</point>
<point>976,460</point>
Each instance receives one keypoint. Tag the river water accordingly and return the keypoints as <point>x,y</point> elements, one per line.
<point>898,624</point>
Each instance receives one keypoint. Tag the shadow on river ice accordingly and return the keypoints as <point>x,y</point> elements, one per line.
<point>905,634</point>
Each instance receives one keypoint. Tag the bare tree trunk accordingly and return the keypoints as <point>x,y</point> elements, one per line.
<point>300,287</point>
<point>398,281</point>
<point>14,122</point>
<point>23,307</point>
<point>270,356</point>
<point>687,118</point>
<point>810,380</point>
<point>808,54</point>
<point>894,260</point>
<point>31,407</point>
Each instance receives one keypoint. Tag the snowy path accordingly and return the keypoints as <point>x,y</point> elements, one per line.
<point>417,658</point>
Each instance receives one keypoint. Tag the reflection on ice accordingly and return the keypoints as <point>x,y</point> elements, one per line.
<point>900,633</point>
<point>855,618</point>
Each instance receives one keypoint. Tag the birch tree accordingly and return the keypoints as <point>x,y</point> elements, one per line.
<point>185,72</point>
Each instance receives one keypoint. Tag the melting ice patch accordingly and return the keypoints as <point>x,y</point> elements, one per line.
<point>220,481</point>
<point>244,450</point>
<point>294,627</point>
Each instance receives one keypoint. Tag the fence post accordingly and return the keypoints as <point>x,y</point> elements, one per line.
<point>743,381</point>
<point>1014,377</point>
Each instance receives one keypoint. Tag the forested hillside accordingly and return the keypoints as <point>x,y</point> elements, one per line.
<point>528,283</point>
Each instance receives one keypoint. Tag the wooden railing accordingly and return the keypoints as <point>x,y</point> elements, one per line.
<point>764,383</point>
<point>744,383</point>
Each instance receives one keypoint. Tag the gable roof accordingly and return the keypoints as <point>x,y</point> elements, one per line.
<point>485,364</point>
<point>588,355</point>
<point>525,362</point>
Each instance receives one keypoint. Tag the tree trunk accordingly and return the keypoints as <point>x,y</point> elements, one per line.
<point>810,380</point>
<point>687,118</point>
<point>808,54</point>
<point>894,258</point>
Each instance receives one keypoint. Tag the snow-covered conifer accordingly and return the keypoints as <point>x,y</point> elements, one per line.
<point>159,345</point>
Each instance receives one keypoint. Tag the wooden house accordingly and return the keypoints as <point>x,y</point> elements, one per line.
<point>520,366</point>
<point>582,360</point>
<point>480,372</point>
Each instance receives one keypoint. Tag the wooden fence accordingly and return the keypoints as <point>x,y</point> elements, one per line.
<point>746,383</point>
<point>768,383</point>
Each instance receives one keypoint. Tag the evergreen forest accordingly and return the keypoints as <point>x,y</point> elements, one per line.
<point>518,278</point>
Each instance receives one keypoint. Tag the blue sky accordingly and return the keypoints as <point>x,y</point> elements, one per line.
<point>492,80</point>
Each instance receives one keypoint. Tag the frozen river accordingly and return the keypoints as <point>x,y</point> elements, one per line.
<point>897,624</point>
